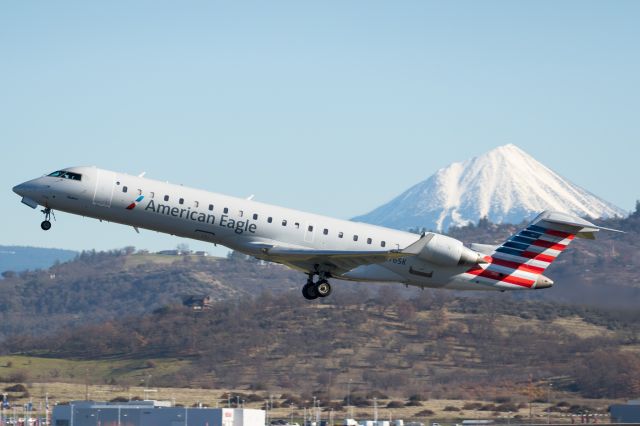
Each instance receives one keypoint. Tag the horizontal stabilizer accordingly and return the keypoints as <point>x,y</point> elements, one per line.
<point>563,222</point>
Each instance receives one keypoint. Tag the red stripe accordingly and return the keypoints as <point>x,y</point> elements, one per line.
<point>516,265</point>
<point>559,234</point>
<point>493,275</point>
<point>537,256</point>
<point>131,206</point>
<point>549,244</point>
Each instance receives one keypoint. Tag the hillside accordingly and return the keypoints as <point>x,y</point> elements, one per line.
<point>435,344</point>
<point>125,308</point>
<point>19,258</point>
<point>96,287</point>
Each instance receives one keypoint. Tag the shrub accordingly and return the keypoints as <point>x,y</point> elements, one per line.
<point>413,404</point>
<point>424,413</point>
<point>472,406</point>
<point>487,407</point>
<point>16,388</point>
<point>333,405</point>
<point>450,408</point>
<point>504,408</point>
<point>395,404</point>
<point>377,394</point>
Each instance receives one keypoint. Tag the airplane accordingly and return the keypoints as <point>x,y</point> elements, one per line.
<point>322,247</point>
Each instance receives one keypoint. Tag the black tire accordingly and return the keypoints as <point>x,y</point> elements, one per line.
<point>323,288</point>
<point>310,292</point>
<point>45,225</point>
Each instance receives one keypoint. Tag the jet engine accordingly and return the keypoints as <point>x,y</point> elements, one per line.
<point>447,251</point>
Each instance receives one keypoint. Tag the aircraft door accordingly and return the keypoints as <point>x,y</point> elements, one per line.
<point>308,233</point>
<point>105,181</point>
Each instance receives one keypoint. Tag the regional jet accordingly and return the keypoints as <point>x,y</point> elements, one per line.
<point>322,247</point>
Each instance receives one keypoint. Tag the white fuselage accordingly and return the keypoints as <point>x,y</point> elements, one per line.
<point>241,224</point>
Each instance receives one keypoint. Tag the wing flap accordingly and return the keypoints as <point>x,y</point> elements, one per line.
<point>338,260</point>
<point>306,253</point>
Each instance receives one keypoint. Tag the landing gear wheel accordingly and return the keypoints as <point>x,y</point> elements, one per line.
<point>310,291</point>
<point>46,225</point>
<point>323,288</point>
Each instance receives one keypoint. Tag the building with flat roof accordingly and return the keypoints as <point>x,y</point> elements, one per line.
<point>625,413</point>
<point>151,413</point>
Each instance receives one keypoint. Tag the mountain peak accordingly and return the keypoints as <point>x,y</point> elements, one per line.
<point>505,184</point>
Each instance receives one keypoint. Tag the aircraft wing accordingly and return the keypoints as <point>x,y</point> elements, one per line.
<point>335,260</point>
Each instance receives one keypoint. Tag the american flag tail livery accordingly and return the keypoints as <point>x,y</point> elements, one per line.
<point>520,261</point>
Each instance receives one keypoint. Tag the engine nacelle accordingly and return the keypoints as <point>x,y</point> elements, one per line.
<point>447,251</point>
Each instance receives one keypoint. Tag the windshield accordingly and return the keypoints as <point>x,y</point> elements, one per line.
<point>66,175</point>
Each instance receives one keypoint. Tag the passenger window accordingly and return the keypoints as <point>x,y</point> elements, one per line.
<point>255,216</point>
<point>310,228</point>
<point>181,201</point>
<point>139,191</point>
<point>284,222</point>
<point>196,204</point>
<point>340,234</point>
<point>166,198</point>
<point>326,231</point>
<point>382,244</point>
<point>151,194</point>
<point>210,206</point>
<point>368,240</point>
<point>269,219</point>
<point>226,210</point>
<point>124,189</point>
<point>297,225</point>
<point>355,238</point>
<point>241,213</point>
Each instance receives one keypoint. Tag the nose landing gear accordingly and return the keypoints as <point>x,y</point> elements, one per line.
<point>321,288</point>
<point>46,224</point>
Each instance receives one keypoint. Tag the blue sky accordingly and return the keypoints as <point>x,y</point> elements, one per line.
<point>332,107</point>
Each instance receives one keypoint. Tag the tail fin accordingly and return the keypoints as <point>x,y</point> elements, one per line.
<point>521,260</point>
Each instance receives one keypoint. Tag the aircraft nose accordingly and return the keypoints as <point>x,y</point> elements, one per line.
<point>20,189</point>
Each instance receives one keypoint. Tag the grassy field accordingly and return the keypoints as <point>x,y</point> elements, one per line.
<point>67,380</point>
<point>163,259</point>
<point>35,369</point>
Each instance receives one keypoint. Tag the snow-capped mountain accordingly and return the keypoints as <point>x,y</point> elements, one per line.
<point>506,185</point>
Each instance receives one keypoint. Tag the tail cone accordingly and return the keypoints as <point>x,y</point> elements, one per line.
<point>542,282</point>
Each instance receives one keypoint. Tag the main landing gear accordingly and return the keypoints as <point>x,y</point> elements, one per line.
<point>313,290</point>
<point>46,224</point>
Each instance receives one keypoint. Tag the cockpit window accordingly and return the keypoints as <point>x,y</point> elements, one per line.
<point>66,175</point>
